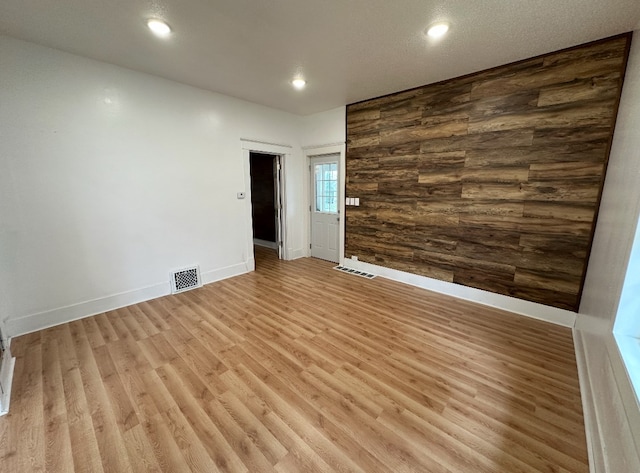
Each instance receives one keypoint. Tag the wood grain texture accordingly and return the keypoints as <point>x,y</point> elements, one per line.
<point>458,176</point>
<point>297,368</point>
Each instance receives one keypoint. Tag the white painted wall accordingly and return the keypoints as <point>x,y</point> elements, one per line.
<point>110,178</point>
<point>611,409</point>
<point>321,134</point>
<point>324,128</point>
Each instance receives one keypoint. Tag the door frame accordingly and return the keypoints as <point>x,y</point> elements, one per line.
<point>285,152</point>
<point>276,183</point>
<point>315,152</point>
<point>7,364</point>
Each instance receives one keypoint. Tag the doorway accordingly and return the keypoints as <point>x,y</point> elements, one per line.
<point>325,208</point>
<point>266,200</point>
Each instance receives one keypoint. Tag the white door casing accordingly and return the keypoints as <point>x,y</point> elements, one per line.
<point>277,180</point>
<point>284,152</point>
<point>325,207</point>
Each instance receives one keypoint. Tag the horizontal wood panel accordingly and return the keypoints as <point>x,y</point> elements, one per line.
<point>519,151</point>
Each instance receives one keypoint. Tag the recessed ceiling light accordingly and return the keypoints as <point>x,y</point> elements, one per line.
<point>299,83</point>
<point>438,30</point>
<point>159,27</point>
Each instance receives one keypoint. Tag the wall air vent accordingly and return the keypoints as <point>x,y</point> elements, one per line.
<point>362,274</point>
<point>185,279</point>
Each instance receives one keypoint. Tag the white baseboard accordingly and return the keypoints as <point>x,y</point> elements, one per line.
<point>594,446</point>
<point>39,321</point>
<point>606,406</point>
<point>530,309</point>
<point>6,379</point>
<point>299,253</point>
<point>267,244</point>
<point>249,266</point>
<point>228,272</point>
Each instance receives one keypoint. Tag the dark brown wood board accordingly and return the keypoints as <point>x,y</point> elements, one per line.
<point>490,180</point>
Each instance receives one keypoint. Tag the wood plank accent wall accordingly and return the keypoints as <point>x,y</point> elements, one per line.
<point>491,180</point>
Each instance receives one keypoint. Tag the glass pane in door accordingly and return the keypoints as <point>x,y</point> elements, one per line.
<point>326,187</point>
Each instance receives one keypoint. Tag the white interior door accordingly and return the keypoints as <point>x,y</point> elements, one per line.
<point>325,213</point>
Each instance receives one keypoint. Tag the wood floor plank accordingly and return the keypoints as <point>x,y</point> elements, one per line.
<point>117,321</point>
<point>106,329</point>
<point>131,365</point>
<point>264,440</point>
<point>140,451</point>
<point>187,440</point>
<point>31,443</point>
<point>297,368</point>
<point>297,415</point>
<point>58,455</point>
<point>84,445</point>
<point>196,412</point>
<point>93,332</point>
<point>163,441</point>
<point>121,405</point>
<point>149,310</point>
<point>113,452</point>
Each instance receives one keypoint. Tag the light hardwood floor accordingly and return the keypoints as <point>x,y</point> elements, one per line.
<point>297,368</point>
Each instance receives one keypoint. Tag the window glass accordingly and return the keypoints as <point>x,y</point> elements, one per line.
<point>627,325</point>
<point>326,187</point>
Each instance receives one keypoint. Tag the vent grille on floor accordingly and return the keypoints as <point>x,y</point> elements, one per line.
<point>185,279</point>
<point>362,274</point>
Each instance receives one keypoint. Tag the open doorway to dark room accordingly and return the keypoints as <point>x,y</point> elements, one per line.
<point>264,199</point>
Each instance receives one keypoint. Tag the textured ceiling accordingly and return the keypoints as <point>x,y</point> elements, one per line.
<point>348,50</point>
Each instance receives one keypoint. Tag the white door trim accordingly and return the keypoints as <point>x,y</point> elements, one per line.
<point>6,374</point>
<point>285,151</point>
<point>313,152</point>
